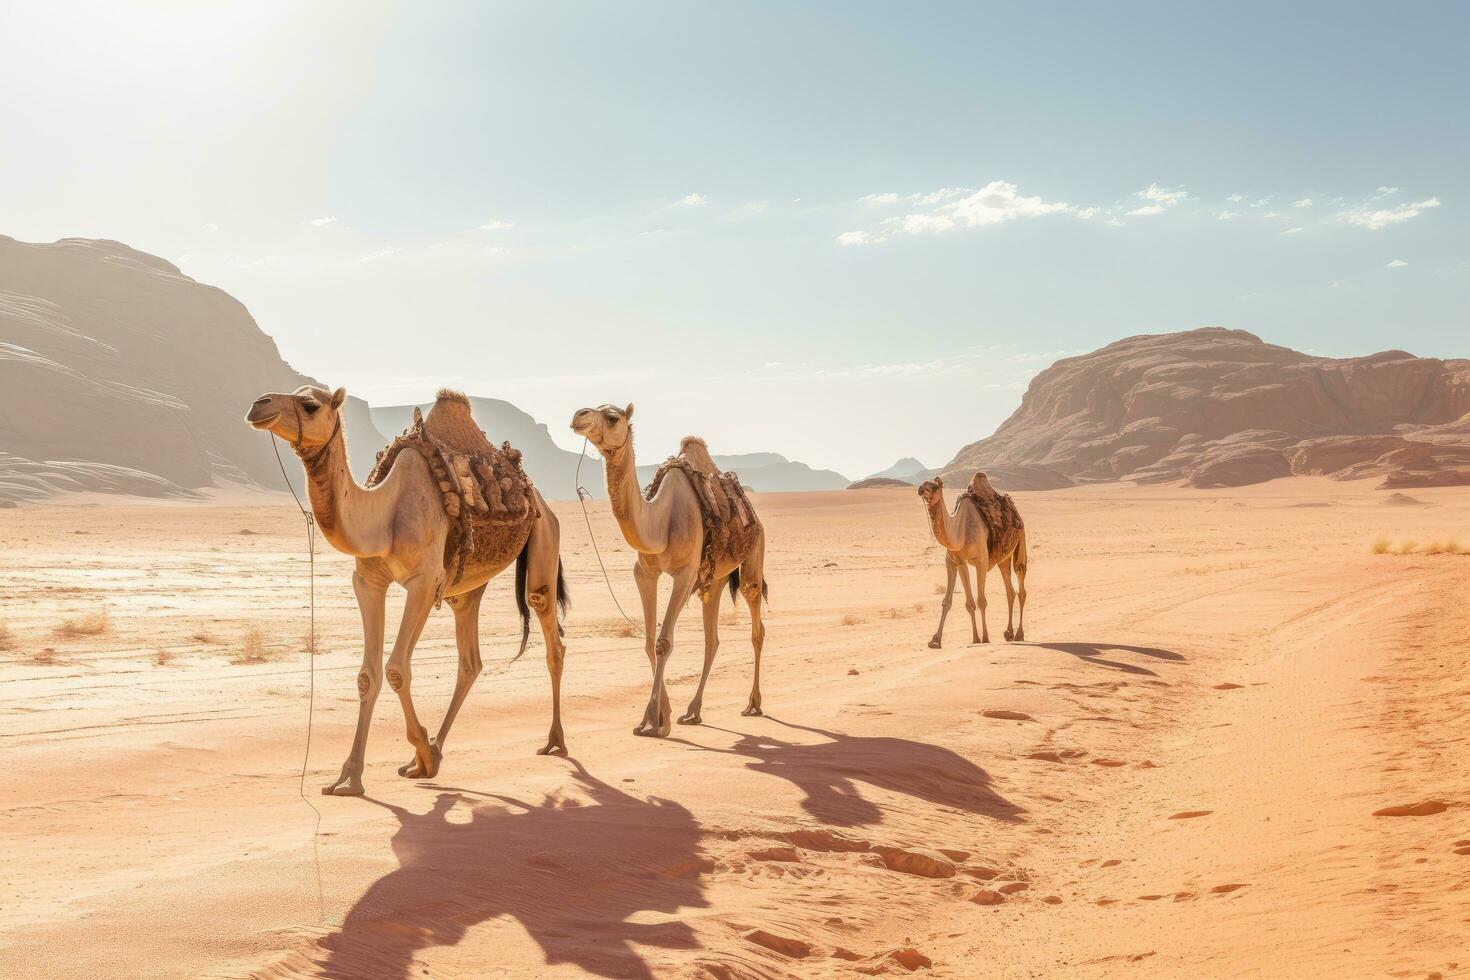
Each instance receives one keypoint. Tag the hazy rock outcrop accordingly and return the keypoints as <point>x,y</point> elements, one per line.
<point>874,482</point>
<point>119,373</point>
<point>1216,407</point>
<point>908,469</point>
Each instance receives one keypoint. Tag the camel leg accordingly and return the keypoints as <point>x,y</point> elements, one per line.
<point>542,568</point>
<point>980,599</point>
<point>1005,578</point>
<point>970,601</point>
<point>753,587</point>
<point>467,639</point>
<point>656,719</point>
<point>416,608</point>
<point>950,568</point>
<point>1020,564</point>
<point>371,596</point>
<point>711,644</point>
<point>646,577</point>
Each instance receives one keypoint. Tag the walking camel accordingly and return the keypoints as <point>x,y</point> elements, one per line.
<point>984,530</point>
<point>397,529</point>
<point>668,530</point>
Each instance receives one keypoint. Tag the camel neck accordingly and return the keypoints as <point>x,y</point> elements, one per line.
<point>939,522</point>
<point>333,493</point>
<point>626,497</point>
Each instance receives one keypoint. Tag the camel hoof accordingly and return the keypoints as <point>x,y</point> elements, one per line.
<point>644,731</point>
<point>753,711</point>
<point>552,748</point>
<point>691,719</point>
<point>1010,635</point>
<point>1020,636</point>
<point>935,645</point>
<point>416,770</point>
<point>343,787</point>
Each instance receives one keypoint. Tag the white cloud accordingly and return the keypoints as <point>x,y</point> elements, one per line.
<point>693,200</point>
<point>1166,196</point>
<point>1270,214</point>
<point>917,224</point>
<point>1235,198</point>
<point>1375,218</point>
<point>1292,231</point>
<point>1305,202</point>
<point>1385,192</point>
<point>887,197</point>
<point>1262,202</point>
<point>850,238</point>
<point>1397,264</point>
<point>495,224</point>
<point>322,222</point>
<point>1227,215</point>
<point>955,207</point>
<point>210,226</point>
<point>1338,283</point>
<point>1147,210</point>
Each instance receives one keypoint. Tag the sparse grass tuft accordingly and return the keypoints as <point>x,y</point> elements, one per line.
<point>851,620</point>
<point>92,624</point>
<point>626,631</point>
<point>938,589</point>
<point>1442,548</point>
<point>7,638</point>
<point>894,613</point>
<point>252,648</point>
<point>1382,546</point>
<point>46,657</point>
<point>202,637</point>
<point>162,658</point>
<point>311,643</point>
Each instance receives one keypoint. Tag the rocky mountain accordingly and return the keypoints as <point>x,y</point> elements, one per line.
<point>119,373</point>
<point>1216,408</point>
<point>878,482</point>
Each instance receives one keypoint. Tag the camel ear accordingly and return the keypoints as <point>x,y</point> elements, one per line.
<point>939,483</point>
<point>338,397</point>
<point>628,413</point>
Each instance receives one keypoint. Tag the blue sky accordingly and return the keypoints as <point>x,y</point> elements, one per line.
<point>846,232</point>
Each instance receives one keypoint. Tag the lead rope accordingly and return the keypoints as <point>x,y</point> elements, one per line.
<point>582,498</point>
<point>311,683</point>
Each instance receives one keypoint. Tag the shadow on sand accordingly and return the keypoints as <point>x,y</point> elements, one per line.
<point>571,872</point>
<point>829,773</point>
<point>1092,653</point>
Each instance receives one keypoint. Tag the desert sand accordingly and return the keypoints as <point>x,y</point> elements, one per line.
<point>1177,775</point>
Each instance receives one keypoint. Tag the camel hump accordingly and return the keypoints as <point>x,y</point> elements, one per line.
<point>694,450</point>
<point>452,424</point>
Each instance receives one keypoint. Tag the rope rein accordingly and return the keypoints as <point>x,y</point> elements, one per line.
<point>311,656</point>
<point>582,498</point>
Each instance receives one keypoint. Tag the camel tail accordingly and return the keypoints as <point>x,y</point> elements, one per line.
<point>735,585</point>
<point>563,597</point>
<point>522,561</point>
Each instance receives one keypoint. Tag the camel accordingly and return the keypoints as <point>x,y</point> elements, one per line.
<point>966,541</point>
<point>397,530</point>
<point>667,531</point>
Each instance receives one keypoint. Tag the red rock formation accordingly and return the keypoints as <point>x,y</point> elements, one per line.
<point>1216,407</point>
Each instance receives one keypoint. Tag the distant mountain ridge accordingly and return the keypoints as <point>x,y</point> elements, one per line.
<point>121,374</point>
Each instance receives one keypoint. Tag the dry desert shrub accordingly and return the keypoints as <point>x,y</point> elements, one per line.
<point>1442,548</point>
<point>252,648</point>
<point>851,620</point>
<point>626,631</point>
<point>162,658</point>
<point>7,638</point>
<point>1382,546</point>
<point>92,624</point>
<point>202,637</point>
<point>310,641</point>
<point>46,657</point>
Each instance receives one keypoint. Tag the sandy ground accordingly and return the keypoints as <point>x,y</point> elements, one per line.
<point>1176,776</point>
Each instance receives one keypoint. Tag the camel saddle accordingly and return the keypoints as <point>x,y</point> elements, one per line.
<point>1003,525</point>
<point>730,524</point>
<point>487,495</point>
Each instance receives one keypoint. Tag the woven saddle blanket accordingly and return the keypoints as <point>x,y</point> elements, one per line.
<point>1003,524</point>
<point>488,497</point>
<point>730,525</point>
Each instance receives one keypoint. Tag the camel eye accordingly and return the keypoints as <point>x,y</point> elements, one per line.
<point>310,407</point>
<point>612,420</point>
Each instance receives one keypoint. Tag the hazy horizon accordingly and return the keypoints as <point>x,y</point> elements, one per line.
<point>846,234</point>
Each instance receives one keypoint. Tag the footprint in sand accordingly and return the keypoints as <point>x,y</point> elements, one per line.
<point>1462,847</point>
<point>776,854</point>
<point>1227,889</point>
<point>1007,715</point>
<point>786,946</point>
<point>1424,808</point>
<point>1228,687</point>
<point>988,897</point>
<point>1110,763</point>
<point>1190,814</point>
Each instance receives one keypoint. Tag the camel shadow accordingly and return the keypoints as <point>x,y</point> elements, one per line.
<point>571,873</point>
<point>1092,653</point>
<point>830,772</point>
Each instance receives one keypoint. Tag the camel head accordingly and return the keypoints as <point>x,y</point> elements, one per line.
<point>932,490</point>
<point>607,427</point>
<point>307,418</point>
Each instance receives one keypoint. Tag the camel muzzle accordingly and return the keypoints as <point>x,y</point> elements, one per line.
<point>261,413</point>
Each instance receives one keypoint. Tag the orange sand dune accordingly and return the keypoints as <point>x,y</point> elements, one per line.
<point>1178,776</point>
